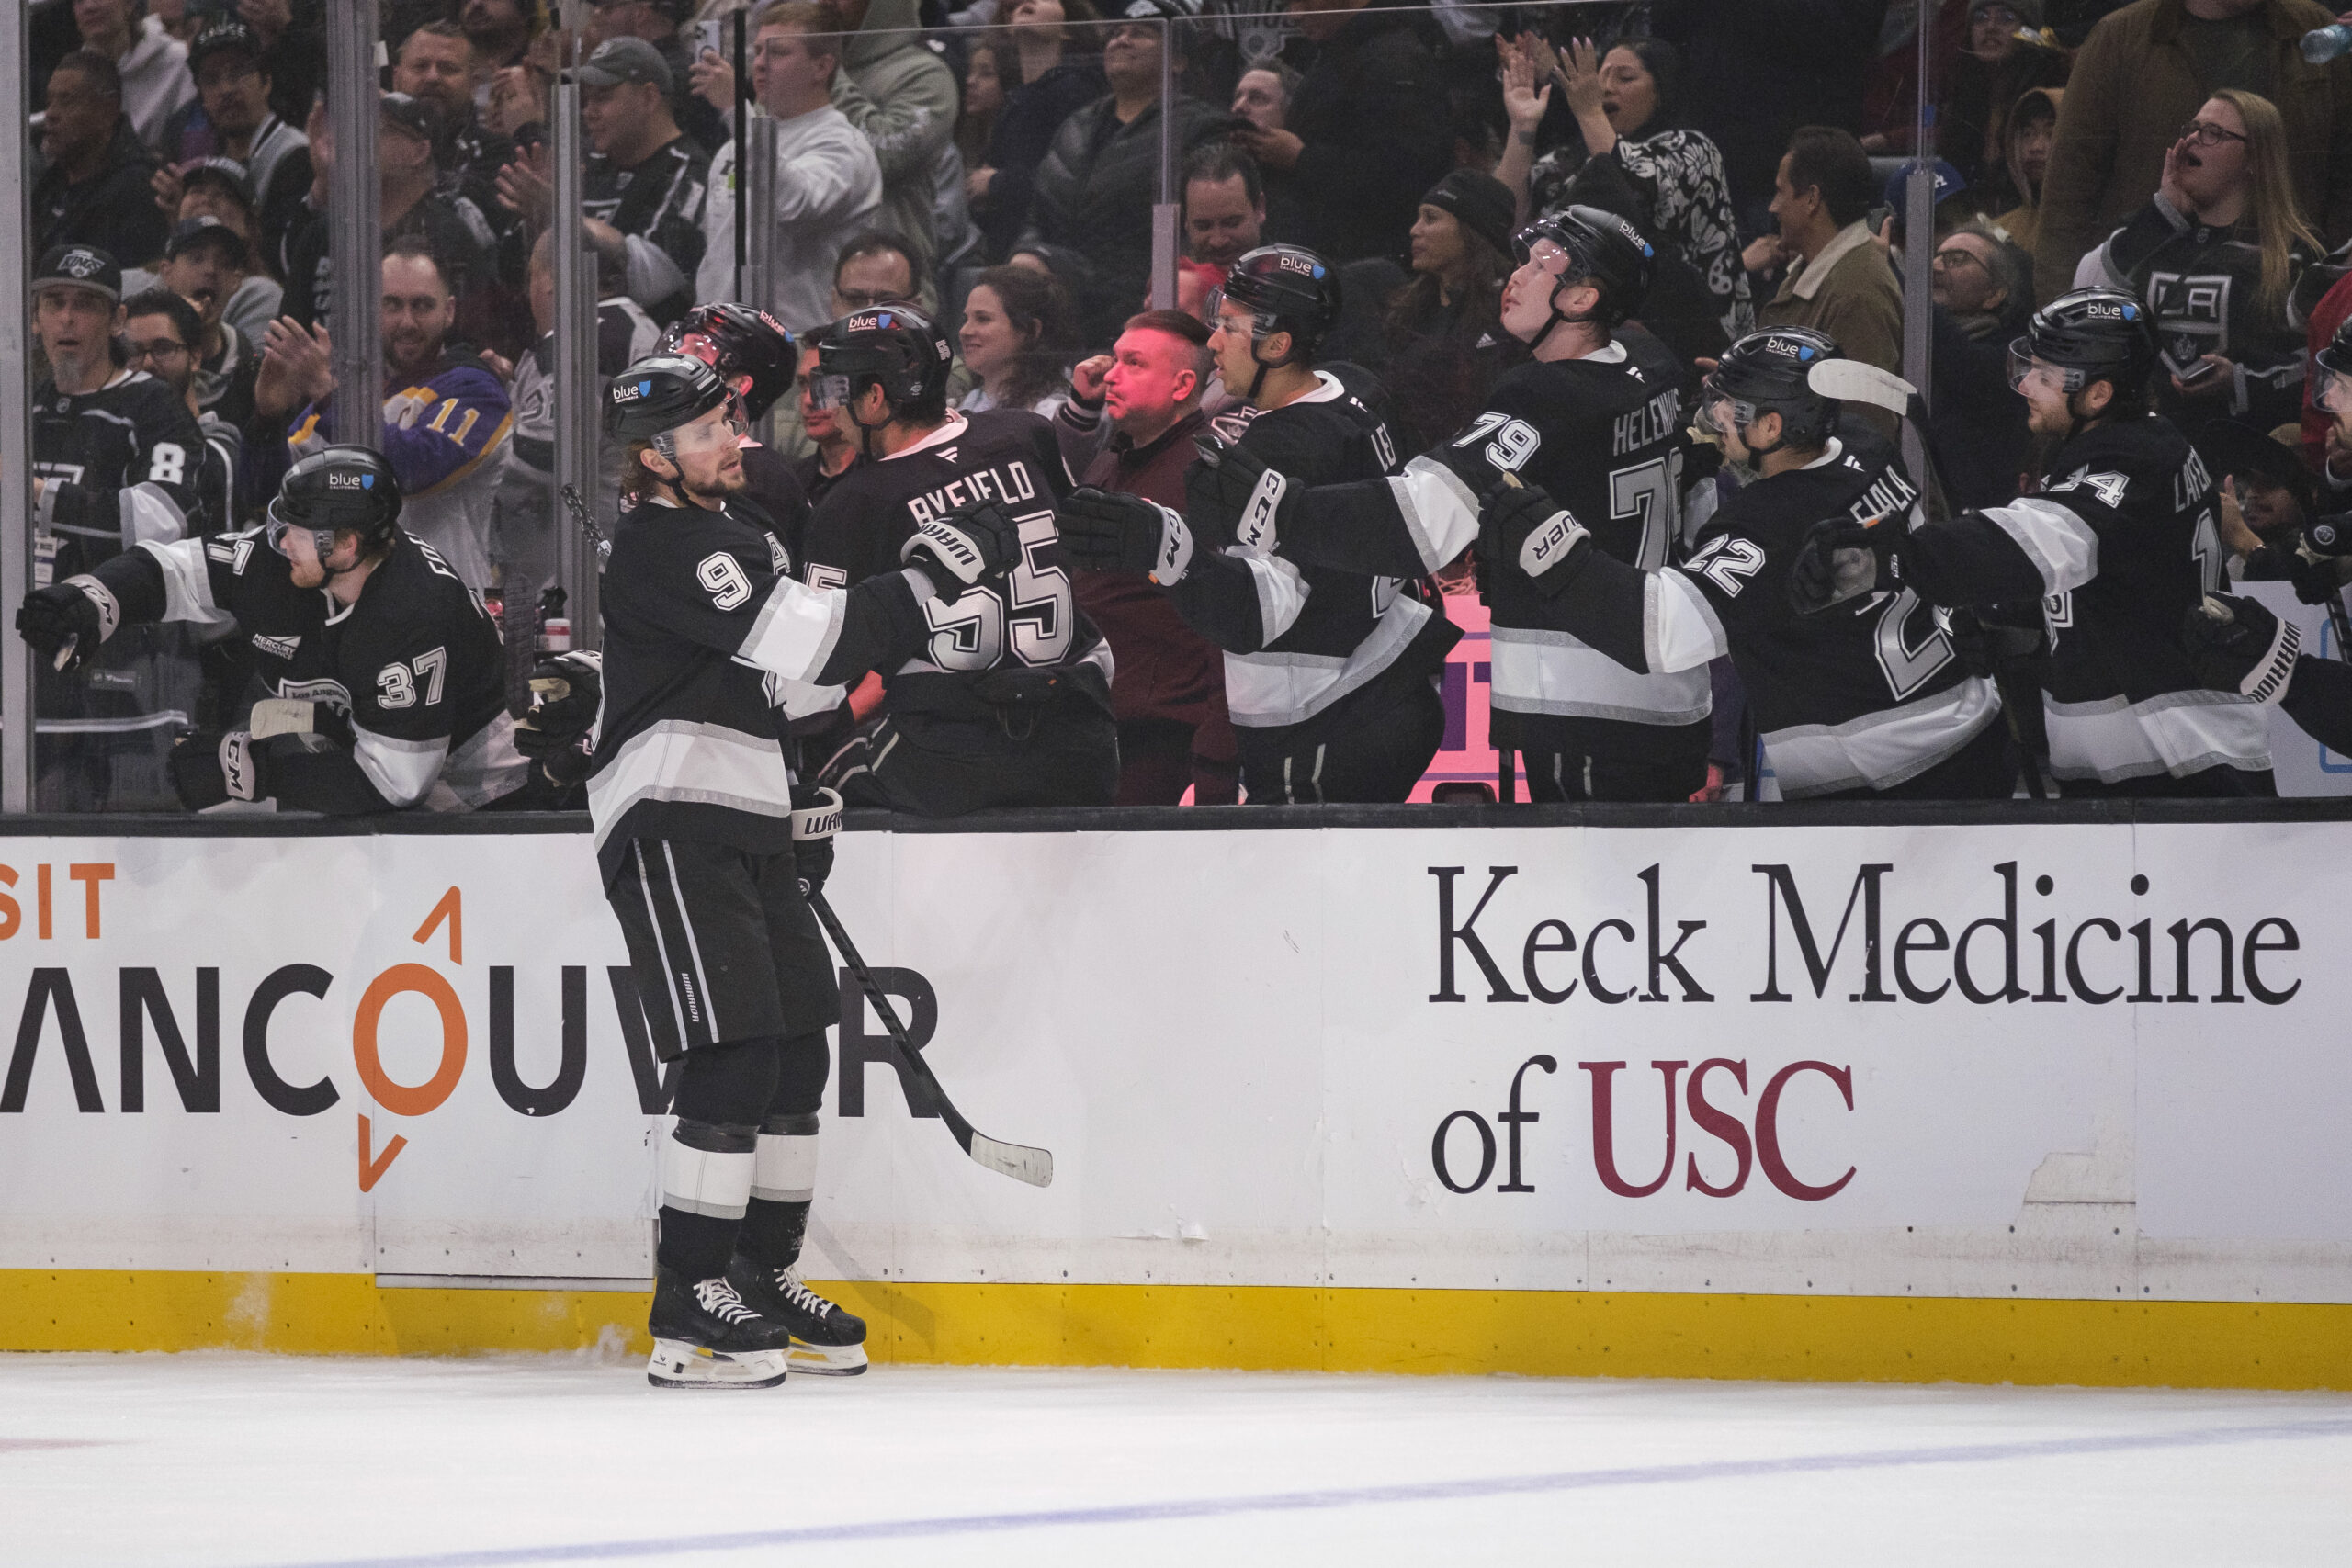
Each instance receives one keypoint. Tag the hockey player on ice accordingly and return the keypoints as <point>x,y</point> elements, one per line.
<point>1330,666</point>
<point>1007,702</point>
<point>2119,542</point>
<point>704,838</point>
<point>385,674</point>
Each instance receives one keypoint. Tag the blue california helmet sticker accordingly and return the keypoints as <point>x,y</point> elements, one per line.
<point>645,389</point>
<point>367,481</point>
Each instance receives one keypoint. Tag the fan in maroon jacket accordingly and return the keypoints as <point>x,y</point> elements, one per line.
<point>1169,692</point>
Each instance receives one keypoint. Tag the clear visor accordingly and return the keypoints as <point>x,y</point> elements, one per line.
<point>830,391</point>
<point>275,530</point>
<point>1260,325</point>
<point>1528,246</point>
<point>707,436</point>
<point>2028,375</point>
<point>2332,392</point>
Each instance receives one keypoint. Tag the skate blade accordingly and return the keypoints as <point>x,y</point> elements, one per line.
<point>676,1364</point>
<point>826,1361</point>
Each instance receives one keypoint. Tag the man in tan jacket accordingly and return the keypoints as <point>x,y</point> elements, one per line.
<point>1838,281</point>
<point>2143,73</point>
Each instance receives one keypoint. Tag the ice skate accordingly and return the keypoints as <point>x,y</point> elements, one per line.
<point>705,1336</point>
<point>826,1341</point>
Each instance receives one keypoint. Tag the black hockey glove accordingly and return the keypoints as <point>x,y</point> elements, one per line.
<point>1842,558</point>
<point>816,818</point>
<point>1522,527</point>
<point>2236,645</point>
<point>1991,639</point>
<point>566,690</point>
<point>65,622</point>
<point>2318,572</point>
<point>957,550</point>
<point>1230,494</point>
<point>208,767</point>
<point>1109,531</point>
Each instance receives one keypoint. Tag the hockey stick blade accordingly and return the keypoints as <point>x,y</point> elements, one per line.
<point>1851,381</point>
<point>1018,1161</point>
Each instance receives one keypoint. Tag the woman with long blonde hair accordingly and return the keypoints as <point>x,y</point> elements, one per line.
<point>2217,256</point>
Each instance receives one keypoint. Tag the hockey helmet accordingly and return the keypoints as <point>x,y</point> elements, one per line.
<point>1285,288</point>
<point>658,394</point>
<point>1771,372</point>
<point>2091,334</point>
<point>893,346</point>
<point>340,490</point>
<point>749,349</point>
<point>2332,391</point>
<point>1599,246</point>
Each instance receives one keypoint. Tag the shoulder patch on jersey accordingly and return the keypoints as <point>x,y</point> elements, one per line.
<point>281,647</point>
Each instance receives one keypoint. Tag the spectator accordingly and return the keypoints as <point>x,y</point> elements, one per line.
<point>523,537</point>
<point>654,23</point>
<point>1095,190</point>
<point>436,63</point>
<point>1225,206</point>
<point>204,262</point>
<point>1044,86</point>
<point>445,418</point>
<point>1262,98</point>
<point>1838,281</point>
<point>2007,56</point>
<point>1981,304</point>
<point>293,50</point>
<point>233,119</point>
<point>2217,256</point>
<point>1168,689</point>
<point>159,330</point>
<point>217,188</point>
<point>1890,88</point>
<point>1627,106</point>
<point>2266,496</point>
<point>1018,341</point>
<point>97,189</point>
<point>1758,69</point>
<point>903,98</point>
<point>1367,129</point>
<point>984,81</point>
<point>828,182</point>
<point>2026,136</point>
<point>2143,71</point>
<point>501,32</point>
<point>152,64</point>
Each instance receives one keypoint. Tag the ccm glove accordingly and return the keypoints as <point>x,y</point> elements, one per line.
<point>208,767</point>
<point>66,621</point>
<point>1231,494</point>
<point>1109,531</point>
<point>566,691</point>
<point>816,818</point>
<point>2236,645</point>
<point>1842,558</point>
<point>957,550</point>
<point>1525,528</point>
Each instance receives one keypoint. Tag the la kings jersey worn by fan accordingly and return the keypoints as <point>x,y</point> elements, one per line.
<point>1008,701</point>
<point>1867,694</point>
<point>2121,542</point>
<point>413,667</point>
<point>657,206</point>
<point>1316,653</point>
<point>1602,435</point>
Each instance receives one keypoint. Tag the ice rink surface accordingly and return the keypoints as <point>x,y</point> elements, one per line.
<point>221,1459</point>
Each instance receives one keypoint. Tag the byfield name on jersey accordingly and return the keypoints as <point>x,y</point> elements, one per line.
<point>1010,483</point>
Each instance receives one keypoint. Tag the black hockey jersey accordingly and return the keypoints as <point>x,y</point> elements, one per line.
<point>1865,695</point>
<point>414,667</point>
<point>2121,542</point>
<point>1603,436</point>
<point>1007,456</point>
<point>1299,635</point>
<point>706,636</point>
<point>119,466</point>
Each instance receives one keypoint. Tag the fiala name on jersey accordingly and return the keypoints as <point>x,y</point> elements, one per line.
<point>1011,483</point>
<point>1889,495</point>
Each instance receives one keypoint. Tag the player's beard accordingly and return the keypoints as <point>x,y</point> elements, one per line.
<point>726,483</point>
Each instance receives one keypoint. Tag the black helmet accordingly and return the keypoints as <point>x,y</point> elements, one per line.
<point>2337,354</point>
<point>1286,288</point>
<point>741,345</point>
<point>893,346</point>
<point>342,489</point>
<point>1771,372</point>
<point>1601,246</point>
<point>658,394</point>
<point>2094,334</point>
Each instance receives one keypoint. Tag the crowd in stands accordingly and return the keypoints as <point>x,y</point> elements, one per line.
<point>998,164</point>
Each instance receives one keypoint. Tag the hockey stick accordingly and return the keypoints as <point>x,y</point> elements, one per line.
<point>603,546</point>
<point>1018,1161</point>
<point>1851,381</point>
<point>2340,622</point>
